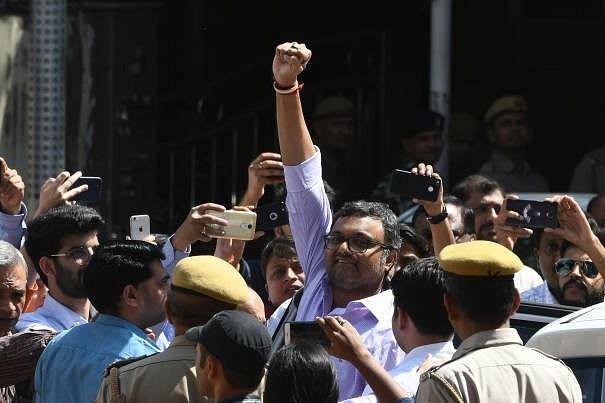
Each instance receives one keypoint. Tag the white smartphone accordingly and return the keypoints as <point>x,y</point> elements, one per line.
<point>140,226</point>
<point>241,224</point>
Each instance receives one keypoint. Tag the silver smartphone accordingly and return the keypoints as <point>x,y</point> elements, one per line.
<point>140,226</point>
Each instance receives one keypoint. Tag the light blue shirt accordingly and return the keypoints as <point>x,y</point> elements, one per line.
<point>51,315</point>
<point>12,227</point>
<point>539,293</point>
<point>70,369</point>
<point>310,219</point>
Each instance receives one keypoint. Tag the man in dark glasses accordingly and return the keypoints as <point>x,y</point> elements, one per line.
<point>579,281</point>
<point>569,258</point>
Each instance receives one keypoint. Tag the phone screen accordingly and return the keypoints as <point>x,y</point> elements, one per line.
<point>535,214</point>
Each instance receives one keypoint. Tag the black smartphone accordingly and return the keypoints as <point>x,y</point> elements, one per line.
<point>271,215</point>
<point>93,194</point>
<point>406,183</point>
<point>535,214</point>
<point>307,330</point>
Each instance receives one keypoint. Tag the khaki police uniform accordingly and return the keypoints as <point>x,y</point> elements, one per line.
<point>168,376</point>
<point>493,365</point>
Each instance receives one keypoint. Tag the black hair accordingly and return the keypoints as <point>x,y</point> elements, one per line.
<point>418,289</point>
<point>114,265</point>
<point>301,372</point>
<point>411,236</point>
<point>475,182</point>
<point>280,246</point>
<point>484,300</point>
<point>378,210</point>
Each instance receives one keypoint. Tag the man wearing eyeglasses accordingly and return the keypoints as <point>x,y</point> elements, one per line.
<point>345,257</point>
<point>547,250</point>
<point>60,244</point>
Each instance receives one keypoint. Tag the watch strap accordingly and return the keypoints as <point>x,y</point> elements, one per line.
<point>436,219</point>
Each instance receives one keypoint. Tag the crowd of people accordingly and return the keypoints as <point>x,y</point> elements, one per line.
<point>415,306</point>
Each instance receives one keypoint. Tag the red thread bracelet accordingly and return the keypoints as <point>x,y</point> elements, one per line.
<point>292,90</point>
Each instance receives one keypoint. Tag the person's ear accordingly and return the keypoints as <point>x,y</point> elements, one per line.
<point>516,302</point>
<point>129,295</point>
<point>392,260</point>
<point>453,313</point>
<point>401,319</point>
<point>47,265</point>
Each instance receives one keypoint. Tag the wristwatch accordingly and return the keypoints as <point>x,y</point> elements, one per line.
<point>436,219</point>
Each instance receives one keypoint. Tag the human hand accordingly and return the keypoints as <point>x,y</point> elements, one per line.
<point>573,224</point>
<point>266,169</point>
<point>506,234</point>
<point>345,341</point>
<point>432,208</point>
<point>12,189</point>
<point>230,250</point>
<point>56,191</point>
<point>289,61</point>
<point>196,224</point>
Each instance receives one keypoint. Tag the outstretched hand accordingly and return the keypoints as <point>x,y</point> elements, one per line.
<point>58,190</point>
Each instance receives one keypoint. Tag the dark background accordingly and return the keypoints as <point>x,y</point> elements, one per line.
<point>189,102</point>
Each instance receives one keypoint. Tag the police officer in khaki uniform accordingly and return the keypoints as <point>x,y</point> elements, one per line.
<point>201,287</point>
<point>491,364</point>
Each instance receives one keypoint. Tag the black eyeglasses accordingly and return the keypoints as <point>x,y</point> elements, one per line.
<point>565,265</point>
<point>357,244</point>
<point>80,254</point>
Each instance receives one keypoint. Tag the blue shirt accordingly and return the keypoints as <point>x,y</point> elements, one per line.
<point>12,227</point>
<point>310,219</point>
<point>70,369</point>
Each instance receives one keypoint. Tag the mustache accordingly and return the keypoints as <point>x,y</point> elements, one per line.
<point>576,281</point>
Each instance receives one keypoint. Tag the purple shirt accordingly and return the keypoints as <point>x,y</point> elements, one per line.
<point>310,220</point>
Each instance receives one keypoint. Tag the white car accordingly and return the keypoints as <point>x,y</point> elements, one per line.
<point>579,340</point>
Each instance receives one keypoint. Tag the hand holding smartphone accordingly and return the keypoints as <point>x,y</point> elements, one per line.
<point>240,224</point>
<point>305,330</point>
<point>534,214</point>
<point>93,194</point>
<point>422,187</point>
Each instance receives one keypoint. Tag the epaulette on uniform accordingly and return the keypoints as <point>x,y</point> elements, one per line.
<point>115,393</point>
<point>121,363</point>
<point>431,373</point>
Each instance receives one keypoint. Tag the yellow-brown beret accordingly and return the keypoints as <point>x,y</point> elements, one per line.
<point>479,258</point>
<point>211,276</point>
<point>506,103</point>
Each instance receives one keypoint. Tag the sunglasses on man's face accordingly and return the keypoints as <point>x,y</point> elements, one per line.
<point>565,265</point>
